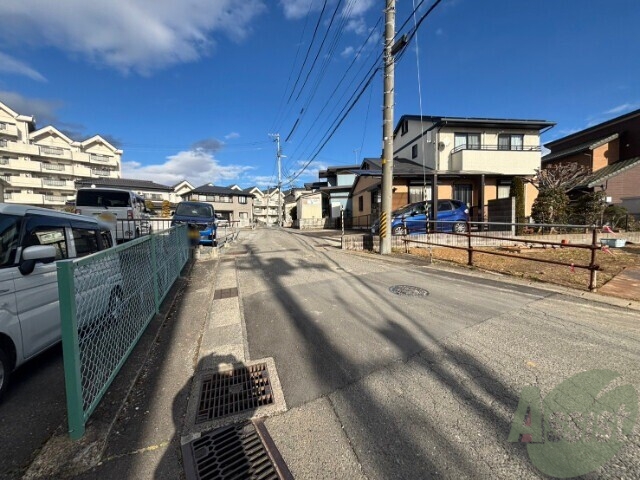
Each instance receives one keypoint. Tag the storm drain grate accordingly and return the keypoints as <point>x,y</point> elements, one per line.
<point>409,290</point>
<point>225,293</point>
<point>238,451</point>
<point>234,391</point>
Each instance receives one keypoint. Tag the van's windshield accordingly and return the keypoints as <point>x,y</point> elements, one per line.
<point>102,198</point>
<point>194,210</point>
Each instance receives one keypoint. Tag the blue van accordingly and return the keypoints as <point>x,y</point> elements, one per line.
<point>201,217</point>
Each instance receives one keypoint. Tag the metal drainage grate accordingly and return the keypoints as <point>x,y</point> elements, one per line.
<point>225,293</point>
<point>409,290</point>
<point>234,391</point>
<point>237,451</point>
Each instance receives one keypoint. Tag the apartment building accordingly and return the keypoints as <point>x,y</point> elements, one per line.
<point>41,166</point>
<point>265,204</point>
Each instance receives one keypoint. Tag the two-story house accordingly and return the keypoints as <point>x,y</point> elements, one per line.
<point>41,166</point>
<point>339,182</point>
<point>232,204</point>
<point>611,153</point>
<point>469,159</point>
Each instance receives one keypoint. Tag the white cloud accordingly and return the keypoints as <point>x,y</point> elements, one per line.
<point>43,110</point>
<point>347,52</point>
<point>357,26</point>
<point>231,136</point>
<point>13,66</point>
<point>625,107</point>
<point>263,181</point>
<point>199,167</point>
<point>295,9</point>
<point>129,35</point>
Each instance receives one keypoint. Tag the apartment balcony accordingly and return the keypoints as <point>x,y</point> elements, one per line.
<point>489,158</point>
<point>81,171</point>
<point>52,183</point>
<point>95,172</point>
<point>21,181</point>
<point>55,167</point>
<point>80,157</point>
<point>20,165</point>
<point>8,130</point>
<point>54,152</point>
<point>18,148</point>
<point>24,198</point>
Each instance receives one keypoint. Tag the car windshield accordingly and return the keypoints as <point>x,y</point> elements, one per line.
<point>9,238</point>
<point>194,210</point>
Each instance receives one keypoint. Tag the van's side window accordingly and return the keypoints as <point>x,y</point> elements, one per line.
<point>46,235</point>
<point>9,238</point>
<point>86,241</point>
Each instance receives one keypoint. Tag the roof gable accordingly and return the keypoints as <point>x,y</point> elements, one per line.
<point>98,139</point>
<point>50,131</point>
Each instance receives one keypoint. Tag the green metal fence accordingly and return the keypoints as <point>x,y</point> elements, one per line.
<point>106,302</point>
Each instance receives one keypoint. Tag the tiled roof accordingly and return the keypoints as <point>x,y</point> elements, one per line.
<point>609,171</point>
<point>590,145</point>
<point>128,183</point>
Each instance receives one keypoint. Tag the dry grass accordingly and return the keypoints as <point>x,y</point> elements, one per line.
<point>610,263</point>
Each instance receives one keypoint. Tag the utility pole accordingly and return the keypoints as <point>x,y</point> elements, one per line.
<point>387,130</point>
<point>276,137</point>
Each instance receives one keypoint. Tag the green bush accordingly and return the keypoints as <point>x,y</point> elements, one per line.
<point>588,209</point>
<point>551,206</point>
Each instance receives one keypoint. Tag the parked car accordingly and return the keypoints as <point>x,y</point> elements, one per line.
<point>453,216</point>
<point>124,208</point>
<point>201,218</point>
<point>32,240</point>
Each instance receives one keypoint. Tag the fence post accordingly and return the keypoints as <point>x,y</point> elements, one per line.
<point>70,349</point>
<point>342,227</point>
<point>469,247</point>
<point>593,268</point>
<point>154,269</point>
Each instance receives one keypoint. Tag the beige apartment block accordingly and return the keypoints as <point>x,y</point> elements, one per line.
<point>41,166</point>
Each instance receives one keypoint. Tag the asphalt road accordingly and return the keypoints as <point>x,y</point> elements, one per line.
<point>394,386</point>
<point>33,407</point>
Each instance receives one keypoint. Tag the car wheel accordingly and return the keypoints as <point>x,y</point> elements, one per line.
<point>399,230</point>
<point>459,227</point>
<point>5,371</point>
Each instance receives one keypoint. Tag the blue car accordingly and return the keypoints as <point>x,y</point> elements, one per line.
<point>453,216</point>
<point>201,218</point>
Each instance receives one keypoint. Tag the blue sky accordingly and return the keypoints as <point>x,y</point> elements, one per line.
<point>191,89</point>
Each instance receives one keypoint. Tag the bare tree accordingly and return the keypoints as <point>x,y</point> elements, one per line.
<point>564,177</point>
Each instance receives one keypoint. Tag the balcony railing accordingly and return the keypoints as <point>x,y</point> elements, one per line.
<point>54,183</point>
<point>102,173</point>
<point>3,126</point>
<point>51,150</point>
<point>521,148</point>
<point>4,161</point>
<point>54,198</point>
<point>53,166</point>
<point>99,158</point>
<point>3,143</point>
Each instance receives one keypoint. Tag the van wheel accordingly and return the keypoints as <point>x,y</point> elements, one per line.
<point>459,227</point>
<point>5,371</point>
<point>399,230</point>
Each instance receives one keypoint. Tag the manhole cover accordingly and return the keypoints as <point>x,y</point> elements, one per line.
<point>225,293</point>
<point>234,391</point>
<point>238,451</point>
<point>409,290</point>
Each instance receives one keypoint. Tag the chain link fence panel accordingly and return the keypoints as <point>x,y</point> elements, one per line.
<point>106,302</point>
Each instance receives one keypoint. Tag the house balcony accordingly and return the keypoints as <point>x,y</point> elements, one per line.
<point>489,158</point>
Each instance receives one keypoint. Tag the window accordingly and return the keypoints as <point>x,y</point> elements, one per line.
<point>414,151</point>
<point>463,193</point>
<point>242,200</point>
<point>444,206</point>
<point>46,235</point>
<point>510,141</point>
<point>361,203</point>
<point>86,242</point>
<point>503,191</point>
<point>9,236</point>
<point>244,215</point>
<point>466,141</point>
<point>419,193</point>
<point>404,127</point>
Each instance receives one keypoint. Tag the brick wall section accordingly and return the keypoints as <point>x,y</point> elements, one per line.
<point>606,154</point>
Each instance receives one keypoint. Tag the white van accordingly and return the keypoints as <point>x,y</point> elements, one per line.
<point>123,208</point>
<point>31,241</point>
